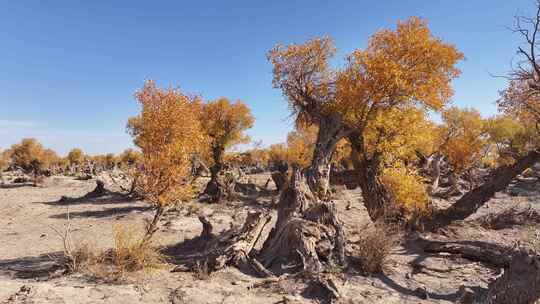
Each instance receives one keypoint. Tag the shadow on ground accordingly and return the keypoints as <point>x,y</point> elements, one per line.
<point>109,212</point>
<point>41,266</point>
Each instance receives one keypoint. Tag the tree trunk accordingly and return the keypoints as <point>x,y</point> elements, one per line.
<point>153,226</point>
<point>469,203</point>
<point>331,131</point>
<point>436,172</point>
<point>280,179</point>
<point>307,229</point>
<point>215,187</point>
<point>98,191</point>
<point>376,197</point>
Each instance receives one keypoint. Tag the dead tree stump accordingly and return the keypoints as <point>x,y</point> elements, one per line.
<point>234,247</point>
<point>98,191</point>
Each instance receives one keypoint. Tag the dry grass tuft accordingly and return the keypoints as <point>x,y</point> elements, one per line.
<point>374,248</point>
<point>531,236</point>
<point>130,257</point>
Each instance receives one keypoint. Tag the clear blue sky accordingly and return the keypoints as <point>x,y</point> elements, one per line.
<point>68,69</point>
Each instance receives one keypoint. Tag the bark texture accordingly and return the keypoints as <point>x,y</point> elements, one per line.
<point>280,179</point>
<point>331,131</point>
<point>234,247</point>
<point>376,198</point>
<point>307,230</point>
<point>220,186</point>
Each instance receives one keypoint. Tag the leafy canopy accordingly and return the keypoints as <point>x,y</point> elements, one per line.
<point>168,132</point>
<point>224,122</point>
<point>463,138</point>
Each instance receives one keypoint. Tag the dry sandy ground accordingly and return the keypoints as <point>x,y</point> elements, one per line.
<point>27,244</point>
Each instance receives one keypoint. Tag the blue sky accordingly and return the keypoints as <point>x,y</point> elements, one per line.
<point>68,69</point>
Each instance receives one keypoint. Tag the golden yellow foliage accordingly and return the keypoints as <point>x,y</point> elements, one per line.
<point>404,67</point>
<point>512,137</point>
<point>300,145</point>
<point>168,132</point>
<point>277,153</point>
<point>31,155</point>
<point>129,157</point>
<point>398,133</point>
<point>407,188</point>
<point>225,122</point>
<point>383,92</point>
<point>4,160</point>
<point>76,156</point>
<point>304,75</point>
<point>463,138</point>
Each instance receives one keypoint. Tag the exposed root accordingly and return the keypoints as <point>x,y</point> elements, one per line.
<point>307,231</point>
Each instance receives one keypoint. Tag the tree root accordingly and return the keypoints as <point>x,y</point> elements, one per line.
<point>307,230</point>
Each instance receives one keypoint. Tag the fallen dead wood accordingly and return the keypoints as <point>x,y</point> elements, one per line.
<point>520,281</point>
<point>490,253</point>
<point>234,247</point>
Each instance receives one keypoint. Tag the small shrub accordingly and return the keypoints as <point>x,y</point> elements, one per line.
<point>374,248</point>
<point>131,254</point>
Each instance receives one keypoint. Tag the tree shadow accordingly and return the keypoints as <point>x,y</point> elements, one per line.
<point>423,294</point>
<point>33,267</point>
<point>17,185</point>
<point>109,212</point>
<point>187,252</point>
<point>108,198</point>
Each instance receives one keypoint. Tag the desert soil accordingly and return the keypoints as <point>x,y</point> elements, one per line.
<point>28,245</point>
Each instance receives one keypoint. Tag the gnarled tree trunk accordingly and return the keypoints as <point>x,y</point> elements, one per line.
<point>376,197</point>
<point>307,230</point>
<point>435,167</point>
<point>280,175</point>
<point>234,247</point>
<point>217,188</point>
<point>469,203</point>
<point>331,130</point>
